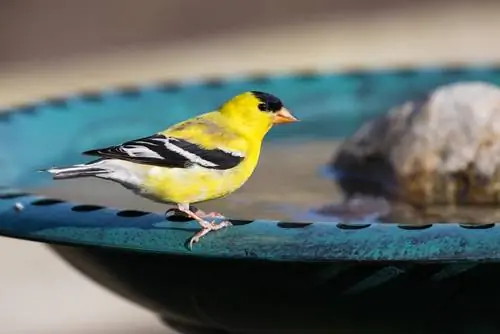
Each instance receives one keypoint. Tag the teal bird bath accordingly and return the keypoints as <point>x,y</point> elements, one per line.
<point>260,275</point>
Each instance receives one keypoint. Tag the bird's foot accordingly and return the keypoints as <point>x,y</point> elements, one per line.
<point>206,228</point>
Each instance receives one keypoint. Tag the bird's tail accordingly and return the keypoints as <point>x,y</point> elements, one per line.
<point>76,171</point>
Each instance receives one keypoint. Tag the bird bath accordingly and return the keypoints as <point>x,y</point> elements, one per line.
<point>279,269</point>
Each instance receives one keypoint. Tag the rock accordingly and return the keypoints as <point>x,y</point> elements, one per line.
<point>444,150</point>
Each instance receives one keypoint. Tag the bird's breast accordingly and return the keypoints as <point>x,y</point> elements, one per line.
<point>196,183</point>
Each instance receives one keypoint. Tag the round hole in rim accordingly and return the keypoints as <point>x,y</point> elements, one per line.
<point>13,195</point>
<point>91,96</point>
<point>309,74</point>
<point>27,109</point>
<point>455,70</point>
<point>293,225</point>
<point>169,87</point>
<point>344,226</point>
<point>405,72</point>
<point>86,208</point>
<point>240,222</point>
<point>130,91</point>
<point>47,201</point>
<point>176,215</point>
<point>178,218</point>
<point>132,213</point>
<point>415,227</point>
<point>477,226</point>
<point>214,82</point>
<point>260,78</point>
<point>58,102</point>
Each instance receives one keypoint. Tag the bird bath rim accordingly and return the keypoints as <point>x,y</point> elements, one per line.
<point>262,240</point>
<point>286,241</point>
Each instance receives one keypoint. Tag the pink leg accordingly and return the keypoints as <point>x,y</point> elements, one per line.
<point>204,231</point>
<point>202,213</point>
<point>206,226</point>
<point>198,212</point>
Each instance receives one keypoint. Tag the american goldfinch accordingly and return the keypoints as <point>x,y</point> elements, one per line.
<point>200,159</point>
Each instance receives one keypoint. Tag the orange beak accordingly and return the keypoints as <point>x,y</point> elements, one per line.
<point>284,116</point>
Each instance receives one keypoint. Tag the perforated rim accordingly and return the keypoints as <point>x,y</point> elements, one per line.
<point>249,239</point>
<point>39,219</point>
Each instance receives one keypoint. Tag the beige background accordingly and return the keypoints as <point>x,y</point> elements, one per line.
<point>52,47</point>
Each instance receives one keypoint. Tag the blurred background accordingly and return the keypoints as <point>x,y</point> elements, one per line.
<point>62,46</point>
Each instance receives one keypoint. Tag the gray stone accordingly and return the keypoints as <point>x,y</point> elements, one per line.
<point>444,150</point>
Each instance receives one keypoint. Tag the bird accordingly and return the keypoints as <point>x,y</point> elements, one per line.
<point>200,159</point>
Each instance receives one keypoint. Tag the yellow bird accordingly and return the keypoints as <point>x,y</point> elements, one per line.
<point>203,158</point>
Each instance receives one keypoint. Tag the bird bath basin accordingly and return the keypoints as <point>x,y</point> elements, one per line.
<point>267,274</point>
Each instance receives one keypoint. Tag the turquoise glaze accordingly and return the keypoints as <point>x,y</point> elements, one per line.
<point>330,105</point>
<point>257,275</point>
<point>54,221</point>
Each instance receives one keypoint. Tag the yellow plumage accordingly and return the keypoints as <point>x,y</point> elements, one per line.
<point>200,159</point>
<point>186,186</point>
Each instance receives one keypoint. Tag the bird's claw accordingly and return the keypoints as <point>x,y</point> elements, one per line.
<point>206,229</point>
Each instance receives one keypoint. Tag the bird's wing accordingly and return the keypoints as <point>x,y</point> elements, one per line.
<point>168,151</point>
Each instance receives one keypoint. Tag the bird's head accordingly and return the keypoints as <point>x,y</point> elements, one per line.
<point>254,112</point>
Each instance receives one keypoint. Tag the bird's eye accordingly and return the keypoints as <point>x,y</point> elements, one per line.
<point>263,107</point>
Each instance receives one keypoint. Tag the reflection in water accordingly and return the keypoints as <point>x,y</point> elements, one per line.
<point>366,205</point>
<point>383,211</point>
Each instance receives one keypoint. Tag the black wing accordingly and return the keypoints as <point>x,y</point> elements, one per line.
<point>163,151</point>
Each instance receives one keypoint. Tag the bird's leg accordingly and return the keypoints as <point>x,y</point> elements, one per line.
<point>206,226</point>
<point>177,212</point>
<point>204,231</point>
<point>185,208</point>
<point>196,211</point>
<point>202,213</point>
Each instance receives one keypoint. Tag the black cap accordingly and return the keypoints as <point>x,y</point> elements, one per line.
<point>269,102</point>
